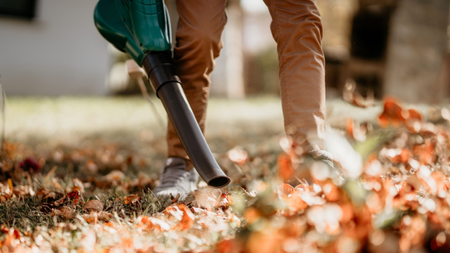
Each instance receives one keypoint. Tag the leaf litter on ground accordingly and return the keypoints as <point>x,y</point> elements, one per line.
<point>388,192</point>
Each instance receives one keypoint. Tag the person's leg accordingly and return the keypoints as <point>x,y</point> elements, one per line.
<point>297,29</point>
<point>198,43</point>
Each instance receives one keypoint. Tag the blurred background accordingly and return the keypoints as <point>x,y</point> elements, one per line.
<point>388,47</point>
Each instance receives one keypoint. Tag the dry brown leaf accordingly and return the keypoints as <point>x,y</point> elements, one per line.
<point>131,199</point>
<point>94,217</point>
<point>4,197</point>
<point>23,190</point>
<point>104,216</point>
<point>91,217</point>
<point>91,166</point>
<point>57,185</point>
<point>175,198</point>
<point>77,185</point>
<point>94,205</point>
<point>115,176</point>
<point>45,194</point>
<point>60,201</point>
<point>64,212</point>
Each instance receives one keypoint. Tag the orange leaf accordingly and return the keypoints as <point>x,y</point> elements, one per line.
<point>414,126</point>
<point>399,155</point>
<point>225,246</point>
<point>154,223</point>
<point>285,169</point>
<point>413,114</point>
<point>131,199</point>
<point>349,127</point>
<point>393,110</point>
<point>91,218</point>
<point>10,184</point>
<point>331,192</point>
<point>383,120</point>
<point>285,190</point>
<point>425,153</point>
<point>187,219</point>
<point>296,203</point>
<point>251,215</point>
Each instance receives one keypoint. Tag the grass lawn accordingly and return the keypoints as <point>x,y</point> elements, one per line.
<point>77,173</point>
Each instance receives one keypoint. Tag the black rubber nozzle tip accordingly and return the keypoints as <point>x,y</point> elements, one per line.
<point>219,182</point>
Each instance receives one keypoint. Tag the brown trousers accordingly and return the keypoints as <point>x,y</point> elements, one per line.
<point>297,29</point>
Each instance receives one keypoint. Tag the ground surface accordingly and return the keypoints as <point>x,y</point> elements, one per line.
<point>77,174</point>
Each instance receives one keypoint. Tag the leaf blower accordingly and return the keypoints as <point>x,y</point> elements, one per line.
<point>141,28</point>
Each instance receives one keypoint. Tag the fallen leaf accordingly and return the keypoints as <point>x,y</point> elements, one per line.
<point>10,184</point>
<point>187,219</point>
<point>77,185</point>
<point>57,185</point>
<point>73,195</point>
<point>285,169</point>
<point>154,223</point>
<point>30,164</point>
<point>94,205</point>
<point>64,212</point>
<point>104,216</point>
<point>131,199</point>
<point>4,197</point>
<point>238,156</point>
<point>285,190</point>
<point>115,176</point>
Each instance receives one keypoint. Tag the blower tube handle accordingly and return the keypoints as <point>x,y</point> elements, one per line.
<point>167,86</point>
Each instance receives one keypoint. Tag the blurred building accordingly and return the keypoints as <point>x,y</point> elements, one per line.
<point>418,66</point>
<point>51,47</point>
<point>390,47</point>
<point>394,48</point>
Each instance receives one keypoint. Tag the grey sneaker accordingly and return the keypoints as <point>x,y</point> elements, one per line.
<point>176,180</point>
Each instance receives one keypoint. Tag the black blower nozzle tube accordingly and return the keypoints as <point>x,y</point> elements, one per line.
<point>167,85</point>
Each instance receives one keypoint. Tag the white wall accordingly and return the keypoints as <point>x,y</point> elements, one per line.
<point>58,53</point>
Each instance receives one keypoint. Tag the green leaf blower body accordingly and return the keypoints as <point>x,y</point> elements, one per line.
<point>141,28</point>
